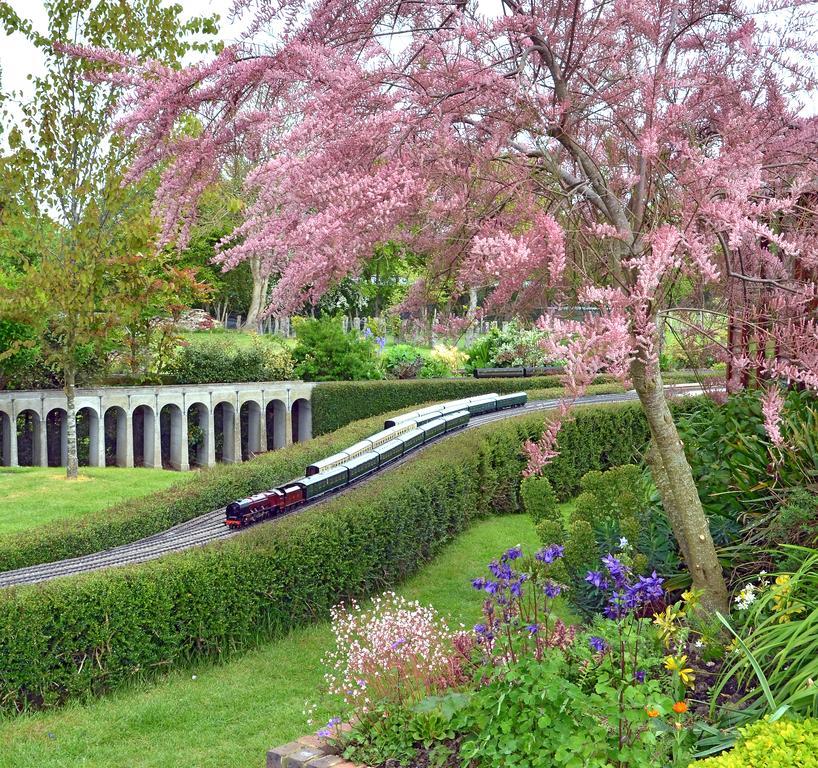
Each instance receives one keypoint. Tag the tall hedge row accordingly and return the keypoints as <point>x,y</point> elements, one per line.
<point>81,636</point>
<point>336,403</point>
<point>194,495</point>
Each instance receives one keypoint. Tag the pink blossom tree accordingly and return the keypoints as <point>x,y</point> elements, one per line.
<point>553,150</point>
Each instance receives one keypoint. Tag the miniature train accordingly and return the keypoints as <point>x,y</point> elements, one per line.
<point>400,435</point>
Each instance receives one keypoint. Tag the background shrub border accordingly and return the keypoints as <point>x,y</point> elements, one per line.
<point>76,637</point>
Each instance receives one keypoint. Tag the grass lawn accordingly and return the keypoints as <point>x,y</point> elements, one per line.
<point>32,496</point>
<point>231,714</point>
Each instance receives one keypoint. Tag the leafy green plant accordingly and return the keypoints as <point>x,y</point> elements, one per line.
<point>532,714</point>
<point>325,352</point>
<point>402,361</point>
<point>765,744</point>
<point>776,651</point>
<point>738,471</point>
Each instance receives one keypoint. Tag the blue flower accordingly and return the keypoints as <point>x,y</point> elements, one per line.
<point>501,570</point>
<point>597,644</point>
<point>513,553</point>
<point>550,553</point>
<point>517,587</point>
<point>478,583</point>
<point>552,590</point>
<point>480,629</point>
<point>326,731</point>
<point>618,570</point>
<point>491,587</point>
<point>596,578</point>
<point>640,676</point>
<point>533,629</point>
<point>646,590</point>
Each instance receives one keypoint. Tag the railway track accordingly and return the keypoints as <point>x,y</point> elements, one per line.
<point>210,527</point>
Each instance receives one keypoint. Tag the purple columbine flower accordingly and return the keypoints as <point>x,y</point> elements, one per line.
<point>398,643</point>
<point>533,629</point>
<point>517,587</point>
<point>480,629</point>
<point>646,590</point>
<point>501,570</point>
<point>597,644</point>
<point>552,590</point>
<point>478,583</point>
<point>617,606</point>
<point>596,579</point>
<point>550,553</point>
<point>618,570</point>
<point>491,587</point>
<point>640,676</point>
<point>513,553</point>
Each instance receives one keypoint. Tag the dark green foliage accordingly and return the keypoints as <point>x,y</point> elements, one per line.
<point>85,635</point>
<point>539,498</point>
<point>795,522</point>
<point>324,352</point>
<point>21,361</point>
<point>737,469</point>
<point>337,403</point>
<point>216,360</point>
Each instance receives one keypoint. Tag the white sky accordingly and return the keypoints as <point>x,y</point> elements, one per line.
<point>19,59</point>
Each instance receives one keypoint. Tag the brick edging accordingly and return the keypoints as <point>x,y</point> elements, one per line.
<point>307,752</point>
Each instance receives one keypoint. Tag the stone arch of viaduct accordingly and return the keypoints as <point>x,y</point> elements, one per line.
<point>176,427</point>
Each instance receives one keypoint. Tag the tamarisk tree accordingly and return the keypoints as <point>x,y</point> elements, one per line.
<point>552,150</point>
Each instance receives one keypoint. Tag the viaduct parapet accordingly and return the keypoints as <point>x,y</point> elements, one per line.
<point>155,426</point>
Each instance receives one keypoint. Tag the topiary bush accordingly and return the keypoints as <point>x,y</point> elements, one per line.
<point>608,516</point>
<point>782,744</point>
<point>539,498</point>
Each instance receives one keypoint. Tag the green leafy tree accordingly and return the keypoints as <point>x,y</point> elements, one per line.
<point>84,224</point>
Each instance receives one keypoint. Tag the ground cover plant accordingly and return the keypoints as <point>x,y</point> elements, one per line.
<point>38,496</point>
<point>245,706</point>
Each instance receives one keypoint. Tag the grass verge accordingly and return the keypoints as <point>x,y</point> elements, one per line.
<point>230,714</point>
<point>32,496</point>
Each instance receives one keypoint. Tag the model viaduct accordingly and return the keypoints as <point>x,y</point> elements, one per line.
<point>176,427</point>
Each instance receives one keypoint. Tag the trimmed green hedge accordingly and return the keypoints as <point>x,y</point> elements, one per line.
<point>75,637</point>
<point>194,495</point>
<point>337,403</point>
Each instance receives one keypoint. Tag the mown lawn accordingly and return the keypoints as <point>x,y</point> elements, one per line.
<point>32,496</point>
<point>228,716</point>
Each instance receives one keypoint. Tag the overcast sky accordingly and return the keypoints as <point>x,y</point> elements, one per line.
<point>19,59</point>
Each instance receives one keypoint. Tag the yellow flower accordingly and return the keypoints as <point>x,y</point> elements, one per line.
<point>781,599</point>
<point>677,665</point>
<point>691,597</point>
<point>666,621</point>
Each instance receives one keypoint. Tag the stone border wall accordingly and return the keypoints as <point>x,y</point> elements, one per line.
<point>307,752</point>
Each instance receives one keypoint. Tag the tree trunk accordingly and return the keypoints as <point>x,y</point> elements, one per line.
<point>676,485</point>
<point>72,463</point>
<point>259,297</point>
